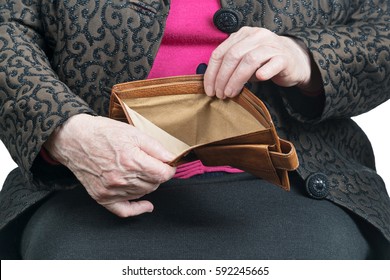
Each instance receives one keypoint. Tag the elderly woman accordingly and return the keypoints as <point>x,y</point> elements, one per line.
<point>84,182</point>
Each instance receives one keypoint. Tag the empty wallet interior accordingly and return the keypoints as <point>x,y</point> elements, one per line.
<point>236,131</point>
<point>192,119</point>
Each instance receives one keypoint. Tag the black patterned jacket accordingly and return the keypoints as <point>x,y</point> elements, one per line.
<point>61,58</point>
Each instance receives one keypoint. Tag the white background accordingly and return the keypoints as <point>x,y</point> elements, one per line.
<point>375,123</point>
<point>113,270</point>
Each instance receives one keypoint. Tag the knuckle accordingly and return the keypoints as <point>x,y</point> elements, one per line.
<point>234,54</point>
<point>122,214</point>
<point>251,58</point>
<point>280,62</point>
<point>102,195</point>
<point>262,31</point>
<point>216,55</point>
<point>245,29</point>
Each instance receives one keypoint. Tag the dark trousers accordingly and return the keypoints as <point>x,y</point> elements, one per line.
<point>207,217</point>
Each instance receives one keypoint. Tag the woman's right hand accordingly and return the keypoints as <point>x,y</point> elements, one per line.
<point>114,161</point>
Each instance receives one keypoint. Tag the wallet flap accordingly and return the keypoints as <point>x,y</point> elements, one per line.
<point>172,144</point>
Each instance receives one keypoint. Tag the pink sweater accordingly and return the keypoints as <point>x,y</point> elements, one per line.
<point>189,39</point>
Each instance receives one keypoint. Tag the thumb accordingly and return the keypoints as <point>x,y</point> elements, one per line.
<point>126,208</point>
<point>155,149</point>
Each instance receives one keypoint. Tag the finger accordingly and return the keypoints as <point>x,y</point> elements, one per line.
<point>247,67</point>
<point>126,209</point>
<point>239,54</point>
<point>153,148</point>
<point>145,165</point>
<point>152,158</point>
<point>272,70</point>
<point>247,55</point>
<point>136,188</point>
<point>152,170</point>
<point>212,71</point>
<point>216,59</point>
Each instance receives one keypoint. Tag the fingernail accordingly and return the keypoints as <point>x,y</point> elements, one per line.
<point>209,90</point>
<point>228,92</point>
<point>219,93</point>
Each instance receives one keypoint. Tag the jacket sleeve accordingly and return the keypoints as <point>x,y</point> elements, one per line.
<point>33,101</point>
<point>352,51</point>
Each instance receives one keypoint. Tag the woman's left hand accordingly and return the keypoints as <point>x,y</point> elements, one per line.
<point>254,53</point>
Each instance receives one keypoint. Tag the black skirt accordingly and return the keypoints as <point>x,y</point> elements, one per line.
<point>211,216</point>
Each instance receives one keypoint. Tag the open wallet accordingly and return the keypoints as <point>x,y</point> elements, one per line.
<point>238,131</point>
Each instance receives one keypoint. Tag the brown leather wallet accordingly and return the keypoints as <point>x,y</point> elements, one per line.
<point>235,131</point>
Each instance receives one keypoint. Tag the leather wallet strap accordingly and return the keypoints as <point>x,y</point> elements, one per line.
<point>287,159</point>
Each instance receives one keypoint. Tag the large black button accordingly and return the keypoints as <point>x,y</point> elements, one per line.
<point>227,20</point>
<point>317,185</point>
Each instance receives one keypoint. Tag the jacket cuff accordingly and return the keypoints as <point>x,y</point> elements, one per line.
<point>304,107</point>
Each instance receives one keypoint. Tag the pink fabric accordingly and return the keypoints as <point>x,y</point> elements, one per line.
<point>189,39</point>
<point>187,170</point>
<point>47,158</point>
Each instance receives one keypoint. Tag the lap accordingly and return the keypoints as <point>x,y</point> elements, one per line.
<point>224,217</point>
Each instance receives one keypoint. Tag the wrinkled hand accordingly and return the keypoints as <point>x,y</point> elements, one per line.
<point>259,54</point>
<point>114,161</point>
